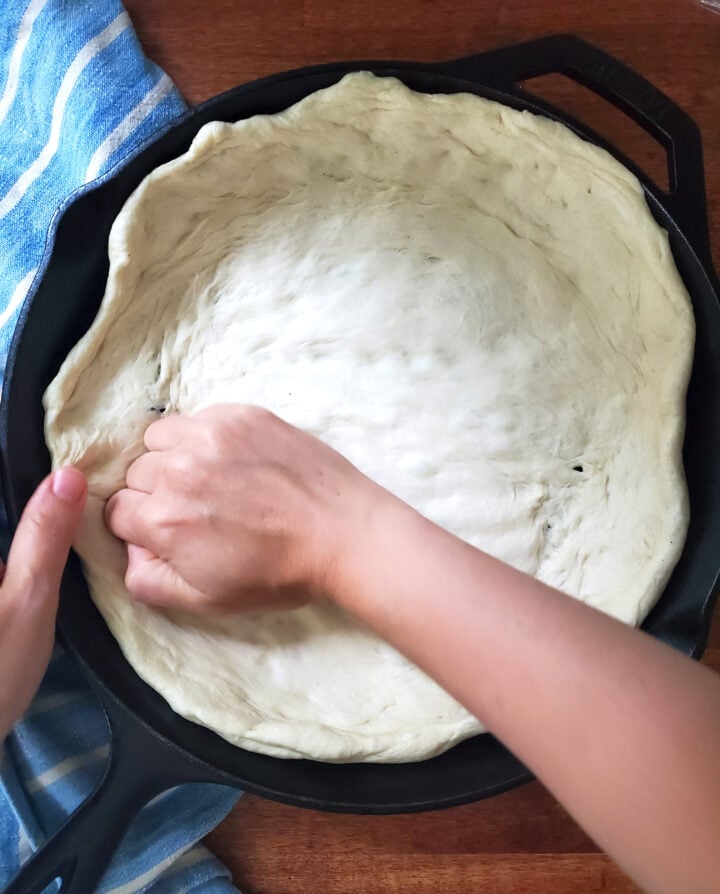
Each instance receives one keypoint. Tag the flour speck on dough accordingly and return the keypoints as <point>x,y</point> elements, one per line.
<point>470,302</point>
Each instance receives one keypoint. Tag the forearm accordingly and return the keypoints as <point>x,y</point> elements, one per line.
<point>625,732</point>
<point>622,729</point>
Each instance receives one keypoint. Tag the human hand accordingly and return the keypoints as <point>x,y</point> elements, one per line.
<point>233,509</point>
<point>29,591</point>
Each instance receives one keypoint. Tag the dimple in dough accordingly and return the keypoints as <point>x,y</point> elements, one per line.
<point>470,302</point>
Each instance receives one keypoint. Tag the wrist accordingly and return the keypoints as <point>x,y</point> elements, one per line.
<point>368,551</point>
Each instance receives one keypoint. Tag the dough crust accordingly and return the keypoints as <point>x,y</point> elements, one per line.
<point>470,302</point>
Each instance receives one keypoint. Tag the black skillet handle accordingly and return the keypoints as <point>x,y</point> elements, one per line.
<point>609,78</point>
<point>142,766</point>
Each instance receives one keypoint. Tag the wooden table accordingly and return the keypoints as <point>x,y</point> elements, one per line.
<point>522,841</point>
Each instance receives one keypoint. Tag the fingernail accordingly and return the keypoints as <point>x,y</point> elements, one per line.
<point>68,484</point>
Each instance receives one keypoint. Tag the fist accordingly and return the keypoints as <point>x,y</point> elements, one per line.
<point>233,509</point>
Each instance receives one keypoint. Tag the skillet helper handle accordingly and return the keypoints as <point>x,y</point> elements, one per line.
<point>640,100</point>
<point>140,768</point>
<point>79,853</point>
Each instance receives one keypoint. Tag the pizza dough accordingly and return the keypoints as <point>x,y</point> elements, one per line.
<point>470,302</point>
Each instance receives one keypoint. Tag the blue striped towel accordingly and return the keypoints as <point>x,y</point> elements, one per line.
<point>76,96</point>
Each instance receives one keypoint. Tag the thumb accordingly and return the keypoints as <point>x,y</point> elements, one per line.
<point>43,537</point>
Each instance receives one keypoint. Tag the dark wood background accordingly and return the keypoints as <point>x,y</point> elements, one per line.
<point>522,842</point>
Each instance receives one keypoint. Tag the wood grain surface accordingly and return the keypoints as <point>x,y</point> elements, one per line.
<point>522,842</point>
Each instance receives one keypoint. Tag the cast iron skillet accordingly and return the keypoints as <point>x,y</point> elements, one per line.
<point>153,748</point>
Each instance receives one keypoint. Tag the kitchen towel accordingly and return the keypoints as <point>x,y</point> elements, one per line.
<point>77,95</point>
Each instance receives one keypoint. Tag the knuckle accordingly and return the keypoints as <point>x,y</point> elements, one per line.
<point>257,415</point>
<point>215,453</point>
<point>180,467</point>
<point>151,431</point>
<point>187,476</point>
<point>160,528</point>
<point>150,517</point>
<point>159,425</point>
<point>246,416</point>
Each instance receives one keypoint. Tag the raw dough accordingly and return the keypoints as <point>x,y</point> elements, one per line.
<point>470,302</point>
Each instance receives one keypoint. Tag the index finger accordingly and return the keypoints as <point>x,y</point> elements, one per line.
<point>167,432</point>
<point>124,516</point>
